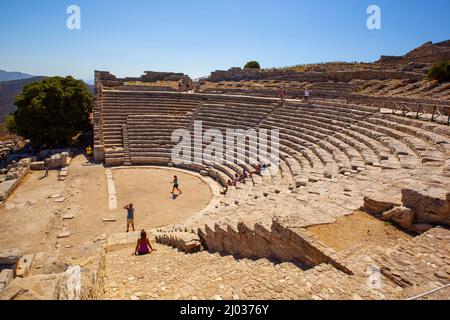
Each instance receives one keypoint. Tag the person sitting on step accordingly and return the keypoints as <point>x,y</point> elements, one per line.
<point>243,177</point>
<point>143,245</point>
<point>236,180</point>
<point>258,169</point>
<point>224,191</point>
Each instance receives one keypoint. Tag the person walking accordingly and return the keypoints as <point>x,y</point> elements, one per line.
<point>176,185</point>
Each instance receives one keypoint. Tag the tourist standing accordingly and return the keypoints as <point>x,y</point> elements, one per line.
<point>46,167</point>
<point>307,94</point>
<point>3,159</point>
<point>89,152</point>
<point>130,216</point>
<point>143,245</point>
<point>282,93</point>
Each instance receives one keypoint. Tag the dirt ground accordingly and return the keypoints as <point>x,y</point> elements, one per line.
<point>359,228</point>
<point>150,193</point>
<point>31,219</point>
<point>27,216</point>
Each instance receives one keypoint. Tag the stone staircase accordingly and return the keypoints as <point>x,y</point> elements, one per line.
<point>169,273</point>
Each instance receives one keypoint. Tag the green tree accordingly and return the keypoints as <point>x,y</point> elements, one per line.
<point>440,71</point>
<point>51,112</point>
<point>252,65</point>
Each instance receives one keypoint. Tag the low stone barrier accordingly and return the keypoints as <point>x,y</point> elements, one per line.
<point>78,282</point>
<point>13,177</point>
<point>56,161</point>
<point>418,211</point>
<point>280,243</point>
<point>183,241</point>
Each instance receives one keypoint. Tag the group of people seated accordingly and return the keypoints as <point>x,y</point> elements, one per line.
<point>243,177</point>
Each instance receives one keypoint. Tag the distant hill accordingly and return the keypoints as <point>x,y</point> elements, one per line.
<point>427,53</point>
<point>11,76</point>
<point>10,89</point>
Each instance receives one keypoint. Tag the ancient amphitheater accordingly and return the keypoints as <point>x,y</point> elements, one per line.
<point>359,208</point>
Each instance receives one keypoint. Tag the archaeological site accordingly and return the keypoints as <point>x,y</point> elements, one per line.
<point>349,201</point>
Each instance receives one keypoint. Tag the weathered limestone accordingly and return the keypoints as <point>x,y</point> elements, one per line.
<point>430,205</point>
<point>295,245</point>
<point>56,161</point>
<point>15,173</point>
<point>420,210</point>
<point>185,242</point>
<point>84,281</point>
<point>377,204</point>
<point>10,257</point>
<point>402,216</point>
<point>24,265</point>
<point>6,276</point>
<point>40,287</point>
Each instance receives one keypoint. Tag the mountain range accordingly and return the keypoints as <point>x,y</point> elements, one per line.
<point>11,76</point>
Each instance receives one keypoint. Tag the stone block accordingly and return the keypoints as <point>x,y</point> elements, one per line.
<point>6,276</point>
<point>402,216</point>
<point>420,228</point>
<point>41,287</point>
<point>25,162</point>
<point>377,204</point>
<point>24,265</point>
<point>38,165</point>
<point>430,205</point>
<point>10,256</point>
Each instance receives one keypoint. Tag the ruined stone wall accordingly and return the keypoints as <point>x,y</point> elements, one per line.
<point>99,152</point>
<point>93,278</point>
<point>236,74</point>
<point>418,211</point>
<point>13,177</point>
<point>107,79</point>
<point>278,243</point>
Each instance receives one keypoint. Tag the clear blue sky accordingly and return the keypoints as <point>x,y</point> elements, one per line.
<point>199,36</point>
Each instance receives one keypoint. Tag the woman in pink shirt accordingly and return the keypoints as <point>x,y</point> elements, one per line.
<point>143,245</point>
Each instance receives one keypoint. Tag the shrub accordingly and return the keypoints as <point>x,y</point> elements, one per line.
<point>252,65</point>
<point>440,71</point>
<point>51,112</point>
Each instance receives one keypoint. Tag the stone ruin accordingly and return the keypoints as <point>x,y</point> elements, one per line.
<point>12,175</point>
<point>338,156</point>
<point>150,81</point>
